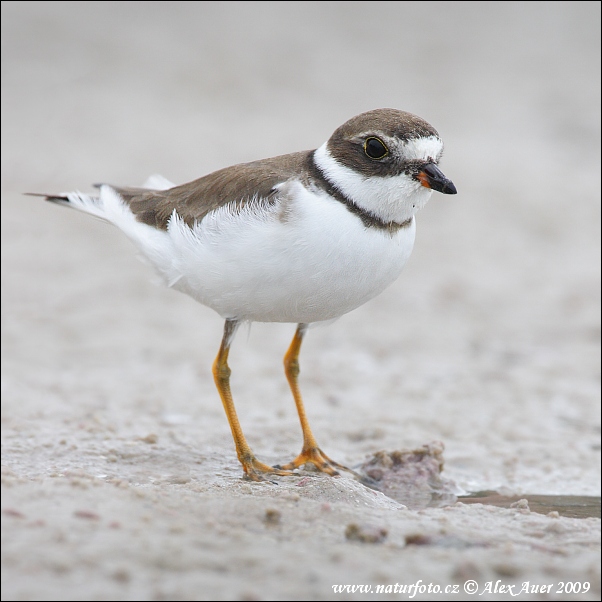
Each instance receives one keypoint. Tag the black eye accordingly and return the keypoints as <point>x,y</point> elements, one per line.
<point>375,148</point>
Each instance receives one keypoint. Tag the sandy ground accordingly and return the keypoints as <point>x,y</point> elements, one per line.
<point>119,474</point>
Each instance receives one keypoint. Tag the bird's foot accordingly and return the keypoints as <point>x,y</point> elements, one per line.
<point>258,471</point>
<point>315,456</point>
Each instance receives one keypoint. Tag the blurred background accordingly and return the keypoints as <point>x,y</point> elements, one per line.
<point>490,339</point>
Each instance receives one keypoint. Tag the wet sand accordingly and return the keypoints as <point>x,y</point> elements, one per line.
<point>120,479</point>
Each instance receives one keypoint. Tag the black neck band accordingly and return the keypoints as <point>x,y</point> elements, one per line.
<point>368,219</point>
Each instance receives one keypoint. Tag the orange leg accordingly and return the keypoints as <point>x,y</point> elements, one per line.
<point>310,452</point>
<point>221,373</point>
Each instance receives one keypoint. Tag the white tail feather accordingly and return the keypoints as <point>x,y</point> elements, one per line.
<point>157,182</point>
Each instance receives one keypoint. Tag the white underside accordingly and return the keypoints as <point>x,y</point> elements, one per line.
<point>315,261</point>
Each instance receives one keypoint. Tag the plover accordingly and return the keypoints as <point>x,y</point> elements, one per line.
<point>300,238</point>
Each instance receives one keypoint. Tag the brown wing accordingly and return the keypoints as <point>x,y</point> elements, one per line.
<point>194,200</point>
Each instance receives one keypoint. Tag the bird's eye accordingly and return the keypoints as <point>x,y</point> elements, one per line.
<point>375,148</point>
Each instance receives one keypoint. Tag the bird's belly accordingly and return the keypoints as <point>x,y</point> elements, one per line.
<point>316,265</point>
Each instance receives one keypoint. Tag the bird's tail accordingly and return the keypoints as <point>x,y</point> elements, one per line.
<point>107,205</point>
<point>77,200</point>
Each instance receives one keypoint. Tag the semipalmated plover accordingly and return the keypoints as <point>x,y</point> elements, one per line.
<point>300,238</point>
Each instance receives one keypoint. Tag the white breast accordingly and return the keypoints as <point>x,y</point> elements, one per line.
<point>313,262</point>
<point>308,261</point>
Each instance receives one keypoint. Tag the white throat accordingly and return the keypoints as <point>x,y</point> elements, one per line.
<point>390,198</point>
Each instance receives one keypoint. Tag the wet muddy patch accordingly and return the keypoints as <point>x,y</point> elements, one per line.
<point>414,478</point>
<point>571,506</point>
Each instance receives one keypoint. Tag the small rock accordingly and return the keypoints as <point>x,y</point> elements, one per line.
<point>411,477</point>
<point>365,533</point>
<point>441,540</point>
<point>87,514</point>
<point>522,506</point>
<point>418,539</point>
<point>466,571</point>
<point>12,512</point>
<point>556,528</point>
<point>507,570</point>
<point>121,575</point>
<point>272,517</point>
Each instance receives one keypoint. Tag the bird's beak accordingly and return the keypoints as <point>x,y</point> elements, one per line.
<point>432,177</point>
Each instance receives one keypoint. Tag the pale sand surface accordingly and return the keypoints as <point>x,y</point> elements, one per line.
<point>120,479</point>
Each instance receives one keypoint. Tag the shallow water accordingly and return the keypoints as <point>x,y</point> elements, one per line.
<point>572,506</point>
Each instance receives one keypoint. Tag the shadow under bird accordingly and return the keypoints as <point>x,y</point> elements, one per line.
<point>300,238</point>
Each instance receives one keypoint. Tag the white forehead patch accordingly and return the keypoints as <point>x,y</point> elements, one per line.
<point>422,149</point>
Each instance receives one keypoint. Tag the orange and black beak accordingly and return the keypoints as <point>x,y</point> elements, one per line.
<point>432,177</point>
